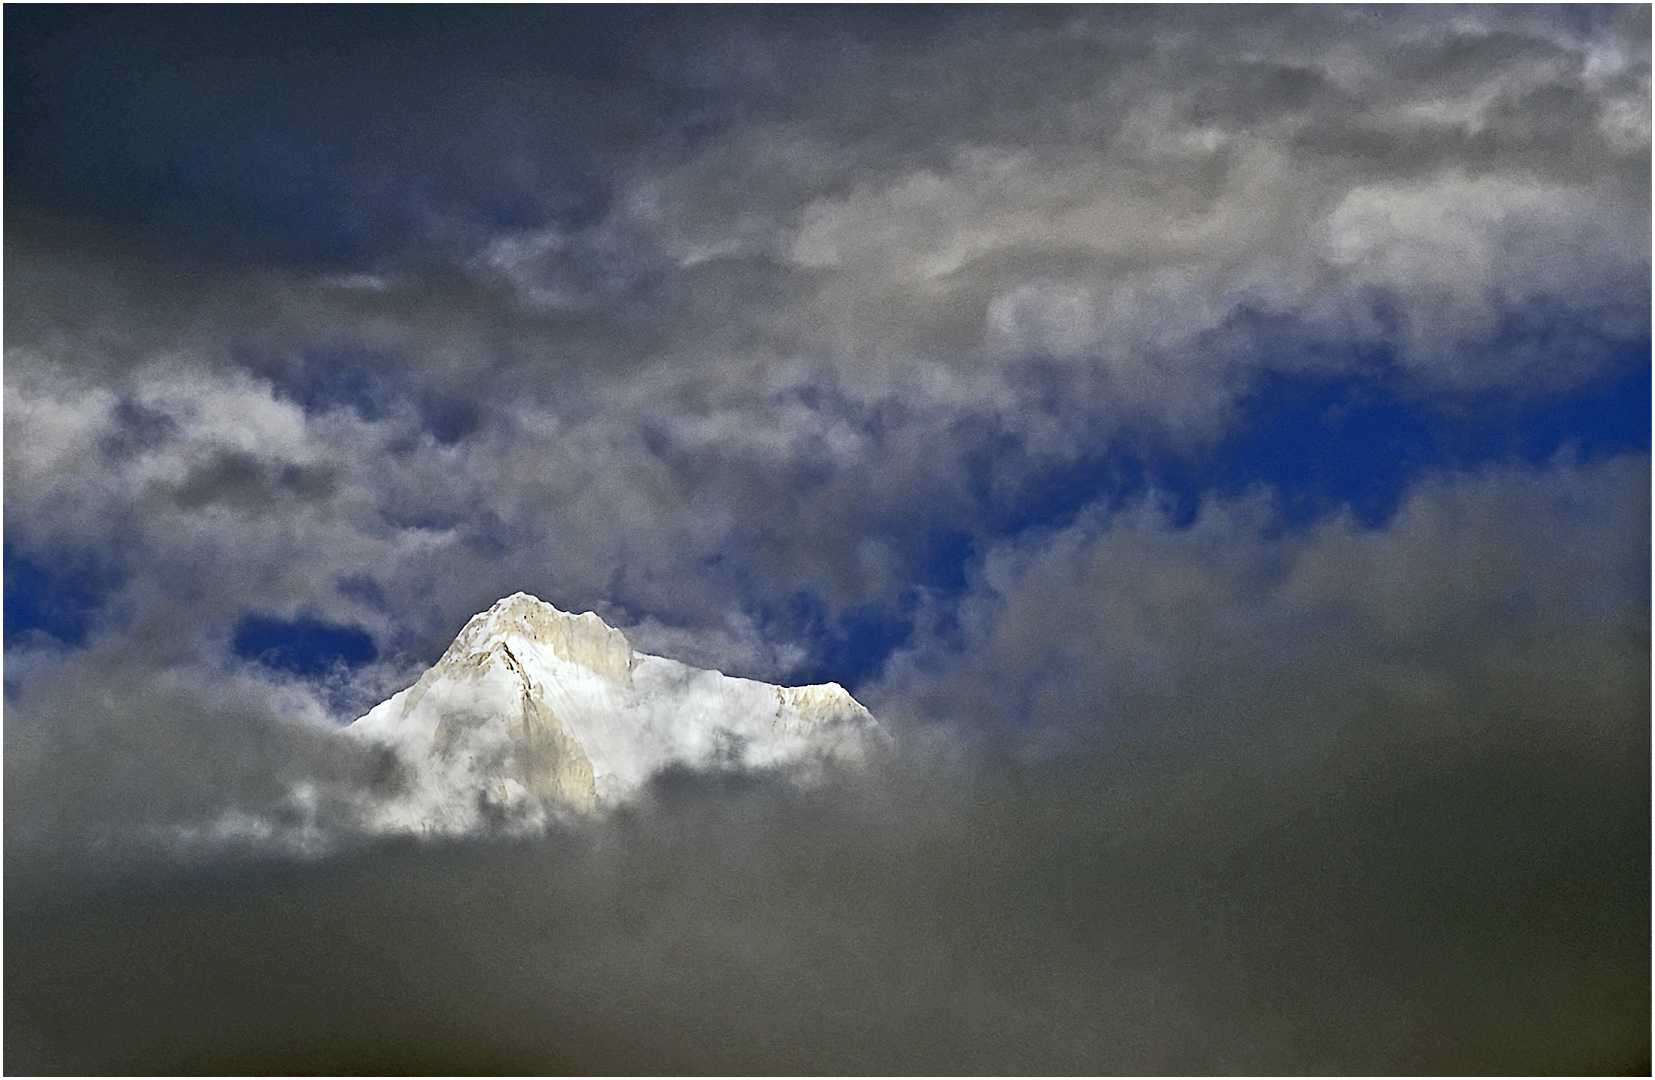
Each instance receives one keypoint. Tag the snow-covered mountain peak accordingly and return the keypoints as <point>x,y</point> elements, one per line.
<point>532,709</point>
<point>583,639</point>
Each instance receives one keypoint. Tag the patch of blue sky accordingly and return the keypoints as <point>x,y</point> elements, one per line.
<point>1329,444</point>
<point>56,600</point>
<point>370,383</point>
<point>306,646</point>
<point>850,646</point>
<point>321,379</point>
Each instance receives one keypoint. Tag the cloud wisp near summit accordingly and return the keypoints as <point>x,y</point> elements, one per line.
<point>1072,540</point>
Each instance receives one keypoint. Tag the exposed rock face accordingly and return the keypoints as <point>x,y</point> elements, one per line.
<point>533,710</point>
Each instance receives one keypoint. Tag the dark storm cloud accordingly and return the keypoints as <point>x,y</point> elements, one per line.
<point>316,135</point>
<point>1080,918</point>
<point>238,480</point>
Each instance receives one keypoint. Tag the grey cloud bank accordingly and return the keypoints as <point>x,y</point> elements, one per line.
<point>1082,917</point>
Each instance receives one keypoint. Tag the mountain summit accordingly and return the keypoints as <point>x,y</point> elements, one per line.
<point>532,708</point>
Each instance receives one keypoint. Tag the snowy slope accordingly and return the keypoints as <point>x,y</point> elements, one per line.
<point>533,709</point>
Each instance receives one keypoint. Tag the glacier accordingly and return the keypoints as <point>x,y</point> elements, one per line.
<point>534,712</point>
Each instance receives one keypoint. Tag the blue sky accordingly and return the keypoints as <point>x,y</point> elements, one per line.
<point>772,337</point>
<point>1239,416</point>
